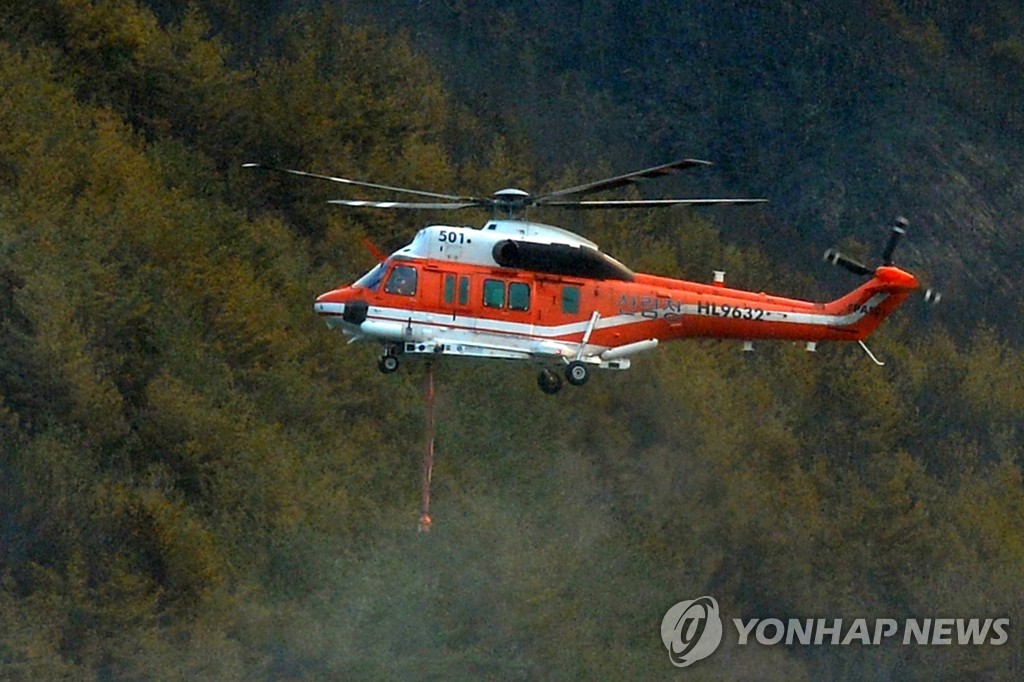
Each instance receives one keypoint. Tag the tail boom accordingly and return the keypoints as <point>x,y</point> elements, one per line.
<point>717,312</point>
<point>861,311</point>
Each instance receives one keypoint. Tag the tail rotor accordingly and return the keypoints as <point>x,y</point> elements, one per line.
<point>896,234</point>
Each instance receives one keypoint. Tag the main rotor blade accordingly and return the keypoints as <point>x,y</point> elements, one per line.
<point>357,183</point>
<point>415,205</point>
<point>621,180</point>
<point>648,203</point>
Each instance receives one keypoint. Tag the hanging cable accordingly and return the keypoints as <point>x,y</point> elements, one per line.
<point>428,452</point>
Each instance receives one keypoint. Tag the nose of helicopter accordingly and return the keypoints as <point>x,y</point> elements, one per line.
<point>330,303</point>
<point>330,306</point>
<point>340,305</point>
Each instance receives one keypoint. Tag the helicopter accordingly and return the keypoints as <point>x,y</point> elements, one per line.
<point>520,290</point>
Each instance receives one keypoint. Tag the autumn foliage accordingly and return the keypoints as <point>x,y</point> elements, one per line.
<point>197,480</point>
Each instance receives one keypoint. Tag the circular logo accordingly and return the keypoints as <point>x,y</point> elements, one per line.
<point>691,630</point>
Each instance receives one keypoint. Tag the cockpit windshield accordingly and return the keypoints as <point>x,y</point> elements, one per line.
<point>370,280</point>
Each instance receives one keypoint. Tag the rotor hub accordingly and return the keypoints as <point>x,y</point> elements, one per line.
<point>511,194</point>
<point>511,201</point>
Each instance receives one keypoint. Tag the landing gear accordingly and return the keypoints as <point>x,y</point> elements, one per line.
<point>549,382</point>
<point>388,363</point>
<point>577,373</point>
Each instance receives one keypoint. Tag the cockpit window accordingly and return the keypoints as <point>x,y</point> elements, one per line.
<point>402,281</point>
<point>370,280</point>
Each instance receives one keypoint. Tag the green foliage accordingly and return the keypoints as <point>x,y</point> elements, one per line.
<point>198,481</point>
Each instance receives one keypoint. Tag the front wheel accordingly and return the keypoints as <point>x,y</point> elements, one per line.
<point>577,373</point>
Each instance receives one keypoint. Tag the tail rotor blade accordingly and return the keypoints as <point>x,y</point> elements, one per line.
<point>899,229</point>
<point>856,267</point>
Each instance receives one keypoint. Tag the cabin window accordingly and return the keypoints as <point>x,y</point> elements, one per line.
<point>402,281</point>
<point>449,288</point>
<point>570,300</point>
<point>463,290</point>
<point>518,296</point>
<point>494,293</point>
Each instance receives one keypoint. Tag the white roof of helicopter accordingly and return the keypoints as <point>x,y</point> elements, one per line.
<point>475,245</point>
<point>537,232</point>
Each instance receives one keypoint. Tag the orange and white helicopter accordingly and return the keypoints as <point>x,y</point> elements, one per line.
<point>521,290</point>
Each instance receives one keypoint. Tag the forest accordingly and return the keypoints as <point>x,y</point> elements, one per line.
<point>200,481</point>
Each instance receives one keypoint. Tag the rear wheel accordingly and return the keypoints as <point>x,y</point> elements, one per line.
<point>577,373</point>
<point>388,364</point>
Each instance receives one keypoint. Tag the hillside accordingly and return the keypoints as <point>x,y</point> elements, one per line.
<point>199,481</point>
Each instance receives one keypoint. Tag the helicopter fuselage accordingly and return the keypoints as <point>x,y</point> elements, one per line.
<point>518,290</point>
